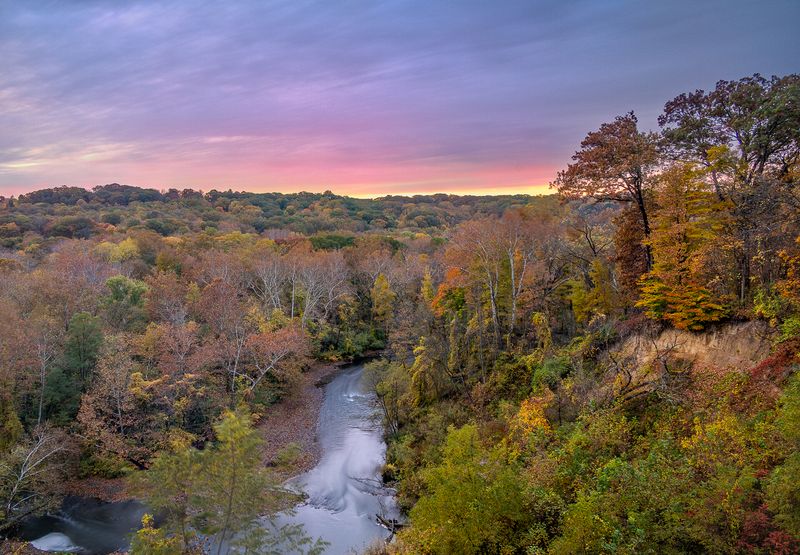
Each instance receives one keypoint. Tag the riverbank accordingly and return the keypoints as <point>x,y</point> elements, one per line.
<point>293,422</point>
<point>13,547</point>
<point>329,420</point>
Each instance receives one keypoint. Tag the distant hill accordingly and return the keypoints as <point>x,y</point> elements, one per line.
<point>80,213</point>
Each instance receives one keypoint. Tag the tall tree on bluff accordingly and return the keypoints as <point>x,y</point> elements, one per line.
<point>756,119</point>
<point>686,228</point>
<point>747,133</point>
<point>614,163</point>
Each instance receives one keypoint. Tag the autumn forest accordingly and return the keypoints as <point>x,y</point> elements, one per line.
<point>609,368</point>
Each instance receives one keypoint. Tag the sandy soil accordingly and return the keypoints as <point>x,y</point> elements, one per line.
<point>294,420</point>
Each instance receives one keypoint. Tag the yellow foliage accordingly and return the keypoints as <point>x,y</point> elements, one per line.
<point>530,416</point>
<point>150,540</point>
<point>118,252</point>
<point>720,441</point>
<point>528,423</point>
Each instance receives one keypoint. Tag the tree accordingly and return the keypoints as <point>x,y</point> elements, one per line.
<point>391,383</point>
<point>221,491</point>
<point>512,259</point>
<point>630,253</point>
<point>124,305</point>
<point>382,301</point>
<point>614,163</point>
<point>169,487</point>
<point>686,224</point>
<point>746,133</point>
<point>268,277</point>
<point>783,491</point>
<point>30,474</point>
<point>234,489</point>
<point>149,540</point>
<point>71,280</point>
<point>165,299</point>
<point>82,346</point>
<point>599,298</point>
<point>474,502</point>
<point>231,322</point>
<point>10,426</point>
<point>109,412</point>
<point>16,358</point>
<point>276,355</point>
<point>323,278</point>
<point>46,340</point>
<point>756,119</point>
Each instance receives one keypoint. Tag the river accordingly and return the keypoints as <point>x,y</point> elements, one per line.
<point>344,492</point>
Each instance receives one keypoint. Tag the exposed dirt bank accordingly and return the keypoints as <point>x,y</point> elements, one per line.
<point>737,345</point>
<point>644,364</point>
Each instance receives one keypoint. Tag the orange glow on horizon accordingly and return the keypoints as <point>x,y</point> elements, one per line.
<point>343,177</point>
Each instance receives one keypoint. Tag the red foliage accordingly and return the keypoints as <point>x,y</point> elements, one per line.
<point>766,378</point>
<point>777,367</point>
<point>760,535</point>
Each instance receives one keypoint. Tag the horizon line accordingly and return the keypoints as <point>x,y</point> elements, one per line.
<point>529,190</point>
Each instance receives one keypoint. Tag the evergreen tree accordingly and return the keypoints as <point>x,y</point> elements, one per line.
<point>220,492</point>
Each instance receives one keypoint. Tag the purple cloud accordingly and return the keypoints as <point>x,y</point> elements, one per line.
<point>299,94</point>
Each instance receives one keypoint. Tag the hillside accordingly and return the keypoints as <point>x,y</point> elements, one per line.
<point>75,212</point>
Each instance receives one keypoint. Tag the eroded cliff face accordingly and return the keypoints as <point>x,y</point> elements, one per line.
<point>738,346</point>
<point>643,364</point>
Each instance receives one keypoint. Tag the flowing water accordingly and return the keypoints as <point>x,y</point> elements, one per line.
<point>344,491</point>
<point>84,526</point>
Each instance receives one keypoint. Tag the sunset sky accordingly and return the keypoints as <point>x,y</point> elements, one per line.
<point>361,97</point>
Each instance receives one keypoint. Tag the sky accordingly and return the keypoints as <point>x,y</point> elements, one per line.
<point>362,97</point>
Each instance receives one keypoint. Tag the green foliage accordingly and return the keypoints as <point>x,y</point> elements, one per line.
<point>474,504</point>
<point>768,304</point>
<point>635,507</point>
<point>383,299</point>
<point>783,494</point>
<point>515,428</point>
<point>10,427</point>
<point>124,304</point>
<point>220,492</point>
<point>331,241</point>
<point>289,455</point>
<point>600,298</point>
<point>549,373</point>
<point>82,347</point>
<point>62,395</point>
<point>783,488</point>
<point>102,465</point>
<point>234,486</point>
<point>75,227</point>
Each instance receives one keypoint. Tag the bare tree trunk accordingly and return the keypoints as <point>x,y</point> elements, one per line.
<point>645,226</point>
<point>43,370</point>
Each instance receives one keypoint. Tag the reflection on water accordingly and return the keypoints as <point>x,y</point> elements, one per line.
<point>87,526</point>
<point>344,490</point>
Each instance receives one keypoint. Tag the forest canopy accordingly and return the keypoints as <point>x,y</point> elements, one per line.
<point>534,371</point>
